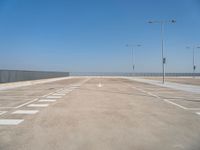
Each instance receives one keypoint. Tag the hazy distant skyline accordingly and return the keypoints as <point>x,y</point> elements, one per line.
<point>90,35</point>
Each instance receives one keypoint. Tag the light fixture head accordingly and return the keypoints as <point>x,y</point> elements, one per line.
<point>173,21</point>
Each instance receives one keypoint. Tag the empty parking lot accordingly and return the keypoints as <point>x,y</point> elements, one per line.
<point>99,113</point>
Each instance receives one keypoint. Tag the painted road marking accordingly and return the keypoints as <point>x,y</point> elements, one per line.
<point>59,94</point>
<point>54,97</point>
<point>2,112</point>
<point>38,105</point>
<point>193,108</point>
<point>99,85</point>
<point>75,84</point>
<point>10,121</point>
<point>47,94</point>
<point>27,103</point>
<point>165,100</point>
<point>26,112</point>
<point>34,100</point>
<point>73,87</point>
<point>47,100</point>
<point>63,91</point>
<point>53,92</point>
<point>66,91</point>
<point>174,104</point>
<point>153,95</point>
<point>198,113</point>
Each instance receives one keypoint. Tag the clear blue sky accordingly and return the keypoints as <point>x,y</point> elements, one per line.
<point>90,35</point>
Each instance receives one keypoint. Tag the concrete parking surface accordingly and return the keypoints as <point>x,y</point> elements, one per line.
<point>99,113</point>
<point>182,80</point>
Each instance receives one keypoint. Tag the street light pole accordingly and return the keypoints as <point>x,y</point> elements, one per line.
<point>162,44</point>
<point>193,59</point>
<point>133,64</point>
<point>194,67</point>
<point>132,52</point>
<point>163,63</point>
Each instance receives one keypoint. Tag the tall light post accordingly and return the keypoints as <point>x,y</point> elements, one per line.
<point>132,48</point>
<point>162,22</point>
<point>193,58</point>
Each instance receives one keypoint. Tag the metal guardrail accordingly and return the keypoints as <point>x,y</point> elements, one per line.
<point>129,74</point>
<point>22,75</point>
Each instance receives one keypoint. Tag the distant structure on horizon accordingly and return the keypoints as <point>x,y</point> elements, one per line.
<point>129,74</point>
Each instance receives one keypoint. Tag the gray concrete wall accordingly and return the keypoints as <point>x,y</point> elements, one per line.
<point>18,75</point>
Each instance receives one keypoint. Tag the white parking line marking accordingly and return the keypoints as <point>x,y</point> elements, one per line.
<point>99,85</point>
<point>47,100</point>
<point>26,112</point>
<point>154,95</point>
<point>73,87</point>
<point>2,112</point>
<point>55,97</point>
<point>59,94</point>
<point>47,94</point>
<point>193,108</point>
<point>10,121</point>
<point>53,92</point>
<point>66,91</point>
<point>174,104</point>
<point>38,105</point>
<point>198,113</point>
<point>27,103</point>
<point>78,85</point>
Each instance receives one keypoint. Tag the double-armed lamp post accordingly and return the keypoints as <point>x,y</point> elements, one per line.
<point>162,22</point>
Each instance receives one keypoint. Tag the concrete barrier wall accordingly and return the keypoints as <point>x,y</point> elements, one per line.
<point>17,75</point>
